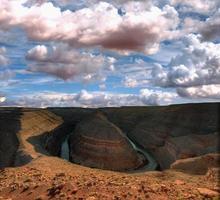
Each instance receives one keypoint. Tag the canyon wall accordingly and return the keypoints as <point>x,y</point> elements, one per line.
<point>9,126</point>
<point>168,133</point>
<point>172,132</point>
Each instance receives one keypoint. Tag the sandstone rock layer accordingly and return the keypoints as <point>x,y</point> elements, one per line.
<point>98,143</point>
<point>197,165</point>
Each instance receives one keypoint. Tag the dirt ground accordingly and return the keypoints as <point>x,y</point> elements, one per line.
<point>53,178</point>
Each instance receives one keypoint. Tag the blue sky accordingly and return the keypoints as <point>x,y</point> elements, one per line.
<point>109,53</point>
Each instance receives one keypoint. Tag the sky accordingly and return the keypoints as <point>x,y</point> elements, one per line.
<point>90,53</point>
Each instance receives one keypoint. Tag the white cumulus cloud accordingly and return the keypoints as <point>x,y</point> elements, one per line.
<point>2,99</point>
<point>151,97</point>
<point>99,25</point>
<point>204,91</point>
<point>199,64</point>
<point>92,99</point>
<point>68,64</point>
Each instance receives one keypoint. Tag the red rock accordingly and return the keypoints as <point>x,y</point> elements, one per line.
<point>197,165</point>
<point>207,192</point>
<point>179,182</point>
<point>98,143</point>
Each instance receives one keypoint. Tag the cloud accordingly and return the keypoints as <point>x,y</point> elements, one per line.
<point>5,75</point>
<point>74,44</point>
<point>101,99</point>
<point>68,64</point>
<point>81,99</point>
<point>130,83</point>
<point>199,64</point>
<point>99,25</point>
<point>91,99</point>
<point>2,99</point>
<point>151,97</point>
<point>38,53</point>
<point>200,6</point>
<point>210,29</point>
<point>87,3</point>
<point>3,60</point>
<point>195,73</point>
<point>204,91</point>
<point>135,73</point>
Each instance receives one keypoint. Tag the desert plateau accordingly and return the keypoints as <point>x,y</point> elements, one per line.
<point>76,153</point>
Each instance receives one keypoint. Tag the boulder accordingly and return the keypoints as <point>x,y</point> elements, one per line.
<point>197,165</point>
<point>188,146</point>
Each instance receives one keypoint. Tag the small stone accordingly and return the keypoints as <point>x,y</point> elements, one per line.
<point>207,192</point>
<point>146,196</point>
<point>164,188</point>
<point>60,187</point>
<point>74,190</point>
<point>35,186</point>
<point>26,187</point>
<point>62,195</point>
<point>179,182</point>
<point>89,184</point>
<point>91,198</point>
<point>28,180</point>
<point>61,174</point>
<point>116,197</point>
<point>39,198</point>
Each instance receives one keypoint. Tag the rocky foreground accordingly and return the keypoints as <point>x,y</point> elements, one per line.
<point>183,139</point>
<point>53,178</point>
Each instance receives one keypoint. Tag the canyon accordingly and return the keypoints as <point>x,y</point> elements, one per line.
<point>154,144</point>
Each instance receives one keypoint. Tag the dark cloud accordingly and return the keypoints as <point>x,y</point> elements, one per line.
<point>210,29</point>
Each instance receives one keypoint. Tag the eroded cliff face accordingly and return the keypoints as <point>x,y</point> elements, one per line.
<point>34,124</point>
<point>52,140</point>
<point>173,132</point>
<point>9,126</point>
<point>21,133</point>
<point>98,143</point>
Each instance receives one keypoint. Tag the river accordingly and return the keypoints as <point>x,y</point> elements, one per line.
<point>65,149</point>
<point>151,165</point>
